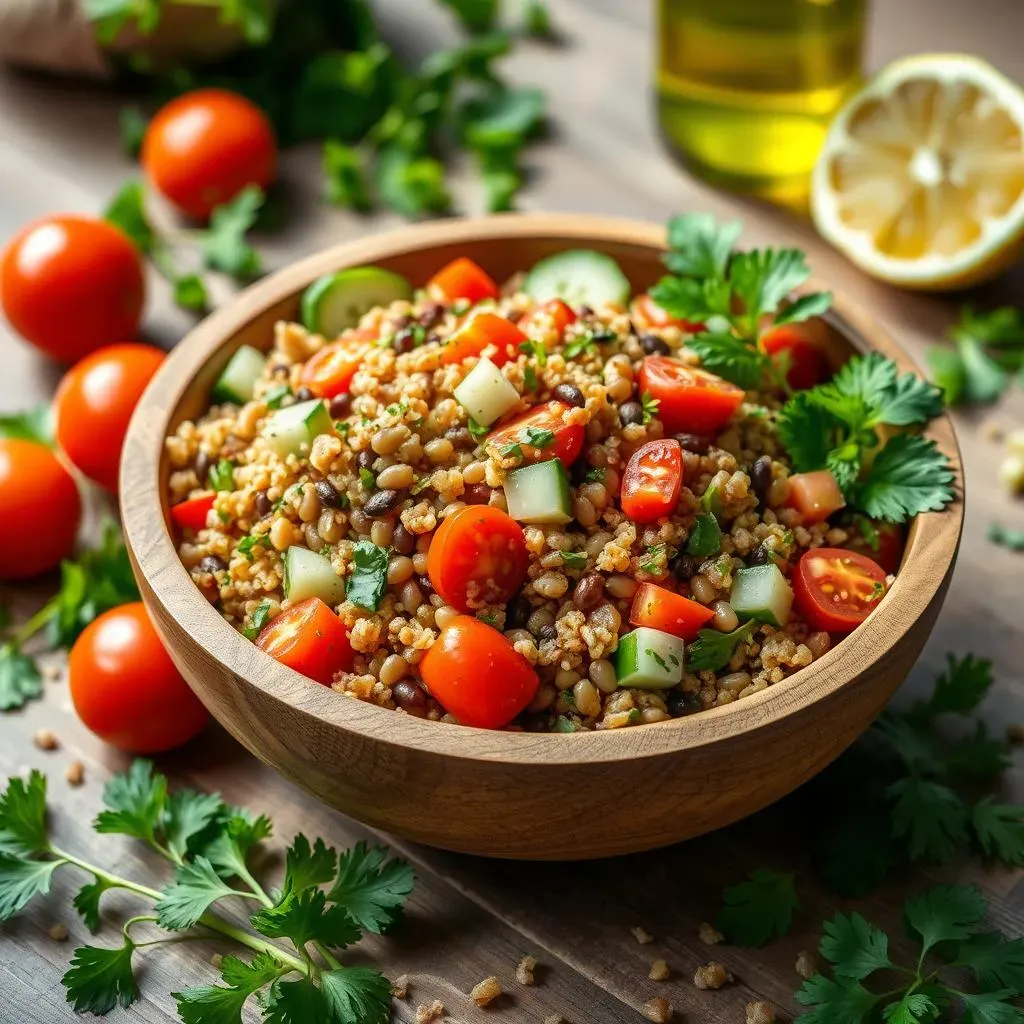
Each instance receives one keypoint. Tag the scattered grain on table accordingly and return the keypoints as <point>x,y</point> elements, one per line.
<point>428,1014</point>
<point>555,1018</point>
<point>807,964</point>
<point>760,1013</point>
<point>217,959</point>
<point>51,672</point>
<point>709,934</point>
<point>485,992</point>
<point>659,971</point>
<point>711,976</point>
<point>525,969</point>
<point>46,739</point>
<point>59,932</point>
<point>658,1009</point>
<point>641,936</point>
<point>400,987</point>
<point>75,773</point>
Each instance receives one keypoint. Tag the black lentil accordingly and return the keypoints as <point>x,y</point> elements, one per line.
<point>588,591</point>
<point>409,696</point>
<point>328,494</point>
<point>383,503</point>
<point>430,316</point>
<point>304,394</point>
<point>366,458</point>
<point>684,566</point>
<point>403,541</point>
<point>653,345</point>
<point>460,437</point>
<point>477,494</point>
<point>680,704</point>
<point>571,395</point>
<point>264,506</point>
<point>202,466</point>
<point>211,563</point>
<point>761,477</point>
<point>631,412</point>
<point>693,443</point>
<point>340,407</point>
<point>517,612</point>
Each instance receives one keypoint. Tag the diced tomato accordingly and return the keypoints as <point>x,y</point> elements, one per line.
<point>556,313</point>
<point>477,557</point>
<point>889,538</point>
<point>330,371</point>
<point>647,313</point>
<point>191,514</point>
<point>484,331</point>
<point>659,608</point>
<point>805,363</point>
<point>815,495</point>
<point>689,400</point>
<point>568,437</point>
<point>651,482</point>
<point>836,589</point>
<point>462,279</point>
<point>309,638</point>
<point>474,673</point>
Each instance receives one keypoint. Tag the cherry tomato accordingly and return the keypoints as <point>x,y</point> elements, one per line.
<point>463,279</point>
<point>191,514</point>
<point>890,540</point>
<point>204,147</point>
<point>94,402</point>
<point>553,314</point>
<point>651,482</point>
<point>473,672</point>
<point>689,400</point>
<point>125,687</point>
<point>39,508</point>
<point>659,608</point>
<point>484,331</point>
<point>649,314</point>
<point>806,365</point>
<point>309,638</point>
<point>71,284</point>
<point>329,372</point>
<point>835,589</point>
<point>566,446</point>
<point>477,556</point>
<point>815,495</point>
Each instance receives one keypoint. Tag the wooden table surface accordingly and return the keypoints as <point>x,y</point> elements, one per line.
<point>469,917</point>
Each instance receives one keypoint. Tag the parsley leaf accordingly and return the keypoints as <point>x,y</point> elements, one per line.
<point>260,617</point>
<point>1013,540</point>
<point>684,298</point>
<point>759,909</point>
<point>477,430</point>
<point>229,848</point>
<point>23,815</point>
<point>412,184</point>
<point>805,307</point>
<point>539,437</point>
<point>730,357</point>
<point>369,578</point>
<point>345,177</point>
<point>595,474</point>
<point>536,349</point>
<point>712,650</point>
<point>223,244</point>
<point>357,994</point>
<point>475,15</point>
<point>649,407</point>
<point>195,887</point>
<point>132,125</point>
<point>996,962</point>
<point>959,689</point>
<point>835,1002</point>
<point>807,431</point>
<point>945,913</point>
<point>930,816</point>
<point>977,757</point>
<point>135,800</point>
<point>87,903</point>
<point>188,816</point>
<point>854,946</point>
<point>706,538</point>
<point>34,424</point>
<point>19,678</point>
<point>222,475</point>
<point>21,880</point>
<point>305,917</point>
<point>699,245</point>
<point>307,866</point>
<point>574,559</point>
<point>503,119</point>
<point>999,829</point>
<point>909,475</point>
<point>762,278</point>
<point>371,886</point>
<point>986,346</point>
<point>899,399</point>
<point>100,979</point>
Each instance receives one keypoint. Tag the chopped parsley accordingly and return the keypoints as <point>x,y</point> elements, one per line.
<point>595,475</point>
<point>651,563</point>
<point>535,349</point>
<point>222,475</point>
<point>260,617</point>
<point>634,716</point>
<point>369,578</point>
<point>510,451</point>
<point>586,340</point>
<point>276,396</point>
<point>706,538</point>
<point>367,479</point>
<point>564,724</point>
<point>712,650</point>
<point>477,430</point>
<point>657,658</point>
<point>649,406</point>
<point>574,559</point>
<point>489,617</point>
<point>246,544</point>
<point>530,378</point>
<point>539,437</point>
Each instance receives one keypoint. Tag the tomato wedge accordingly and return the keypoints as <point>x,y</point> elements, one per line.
<point>835,589</point>
<point>659,608</point>
<point>463,279</point>
<point>554,313</point>
<point>647,313</point>
<point>651,482</point>
<point>815,495</point>
<point>806,365</point>
<point>329,372</point>
<point>690,400</point>
<point>890,536</point>
<point>566,444</point>
<point>191,514</point>
<point>484,331</point>
<point>477,557</point>
<point>309,638</point>
<point>473,672</point>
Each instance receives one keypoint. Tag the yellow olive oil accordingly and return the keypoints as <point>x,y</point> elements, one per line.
<point>747,88</point>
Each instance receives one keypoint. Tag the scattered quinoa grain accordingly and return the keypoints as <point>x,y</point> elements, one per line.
<point>525,969</point>
<point>46,739</point>
<point>641,936</point>
<point>428,1014</point>
<point>75,773</point>
<point>711,976</point>
<point>485,992</point>
<point>554,1018</point>
<point>657,1009</point>
<point>400,986</point>
<point>709,934</point>
<point>807,964</point>
<point>659,971</point>
<point>760,1012</point>
<point>58,932</point>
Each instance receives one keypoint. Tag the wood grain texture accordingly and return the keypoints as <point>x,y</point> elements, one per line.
<point>58,150</point>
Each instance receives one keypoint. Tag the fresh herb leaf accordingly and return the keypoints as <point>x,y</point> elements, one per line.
<point>959,689</point>
<point>995,961</point>
<point>229,849</point>
<point>222,475</point>
<point>345,181</point>
<point>34,424</point>
<point>412,185</point>
<point>594,475</point>
<point>700,246</point>
<point>537,20</point>
<point>712,650</point>
<point>1013,540</point>
<point>276,395</point>
<point>20,679</point>
<point>855,947</point>
<point>574,559</point>
<point>975,370</point>
<point>223,244</point>
<point>307,866</point>
<point>706,537</point>
<point>945,914</point>
<point>730,357</point>
<point>759,909</point>
<point>132,125</point>
<point>127,211</point>
<point>356,994</point>
<point>538,437</point>
<point>474,15</point>
<point>999,830</point>
<point>21,880</point>
<point>87,903</point>
<point>371,886</point>
<point>649,407</point>
<point>135,802</point>
<point>190,292</point>
<point>530,378</point>
<point>804,308</point>
<point>247,544</point>
<point>100,979</point>
<point>216,1004</point>
<point>369,577</point>
<point>909,476</point>
<point>188,816</point>
<point>947,372</point>
<point>195,888</point>
<point>535,349</point>
<point>687,299</point>
<point>367,479</point>
<point>260,617</point>
<point>808,432</point>
<point>503,119</point>
<point>930,816</point>
<point>977,757</point>
<point>763,278</point>
<point>477,430</point>
<point>23,828</point>
<point>303,917</point>
<point>835,1002</point>
<point>899,399</point>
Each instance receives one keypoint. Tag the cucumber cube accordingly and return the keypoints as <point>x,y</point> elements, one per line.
<point>237,381</point>
<point>539,493</point>
<point>762,593</point>
<point>485,394</point>
<point>649,659</point>
<point>290,431</point>
<point>307,574</point>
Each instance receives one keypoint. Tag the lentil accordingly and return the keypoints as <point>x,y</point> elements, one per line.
<point>485,992</point>
<point>329,495</point>
<point>631,412</point>
<point>657,1009</point>
<point>653,345</point>
<point>382,503</point>
<point>571,395</point>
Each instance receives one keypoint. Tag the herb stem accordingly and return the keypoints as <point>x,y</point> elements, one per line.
<point>112,881</point>
<point>253,942</point>
<point>332,961</point>
<point>34,624</point>
<point>126,928</point>
<point>258,892</point>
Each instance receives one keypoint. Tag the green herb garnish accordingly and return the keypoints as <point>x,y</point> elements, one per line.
<point>276,395</point>
<point>712,650</point>
<point>477,430</point>
<point>535,349</point>
<point>369,577</point>
<point>649,406</point>
<point>222,475</point>
<point>759,909</point>
<point>706,538</point>
<point>260,617</point>
<point>574,559</point>
<point>1005,537</point>
<point>367,478</point>
<point>32,425</point>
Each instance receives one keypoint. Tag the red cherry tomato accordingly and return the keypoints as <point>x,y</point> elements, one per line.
<point>566,446</point>
<point>480,332</point>
<point>191,514</point>
<point>477,556</point>
<point>71,284</point>
<point>39,508</point>
<point>890,538</point>
<point>651,482</point>
<point>806,365</point>
<point>648,313</point>
<point>309,638</point>
<point>463,279</point>
<point>815,495</point>
<point>659,608</point>
<point>835,589</point>
<point>553,314</point>
<point>94,402</point>
<point>689,400</point>
<point>125,687</point>
<point>473,672</point>
<point>329,372</point>
<point>204,147</point>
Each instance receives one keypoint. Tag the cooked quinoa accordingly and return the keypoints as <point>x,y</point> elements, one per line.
<point>401,458</point>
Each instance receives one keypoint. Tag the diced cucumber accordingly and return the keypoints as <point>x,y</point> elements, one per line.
<point>649,659</point>
<point>290,431</point>
<point>485,394</point>
<point>539,493</point>
<point>238,379</point>
<point>762,593</point>
<point>307,574</point>
<point>581,277</point>
<point>335,302</point>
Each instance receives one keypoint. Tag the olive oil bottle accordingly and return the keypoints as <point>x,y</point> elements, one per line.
<point>747,88</point>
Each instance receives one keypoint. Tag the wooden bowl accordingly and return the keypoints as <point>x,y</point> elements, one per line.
<point>503,794</point>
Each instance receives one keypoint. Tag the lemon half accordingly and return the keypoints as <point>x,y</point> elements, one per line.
<point>921,178</point>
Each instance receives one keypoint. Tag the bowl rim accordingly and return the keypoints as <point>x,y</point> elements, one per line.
<point>932,540</point>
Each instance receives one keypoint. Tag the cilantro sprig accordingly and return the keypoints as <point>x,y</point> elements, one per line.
<point>293,973</point>
<point>737,294</point>
<point>759,909</point>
